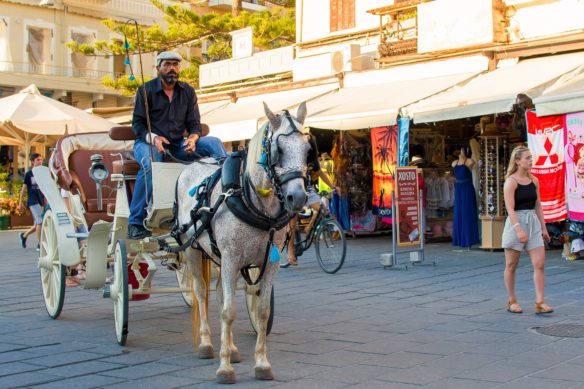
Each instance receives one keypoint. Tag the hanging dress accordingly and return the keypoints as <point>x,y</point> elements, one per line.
<point>466,222</point>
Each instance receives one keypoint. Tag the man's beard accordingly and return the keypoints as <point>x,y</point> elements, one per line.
<point>170,78</point>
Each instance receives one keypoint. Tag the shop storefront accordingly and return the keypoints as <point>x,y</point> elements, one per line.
<point>486,119</point>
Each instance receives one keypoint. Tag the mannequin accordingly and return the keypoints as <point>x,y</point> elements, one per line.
<point>466,224</point>
<point>463,159</point>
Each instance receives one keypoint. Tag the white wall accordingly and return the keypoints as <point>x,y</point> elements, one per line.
<point>315,18</point>
<point>549,19</point>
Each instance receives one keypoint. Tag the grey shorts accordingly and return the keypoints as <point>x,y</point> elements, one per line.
<point>37,213</point>
<point>313,197</point>
<point>532,227</point>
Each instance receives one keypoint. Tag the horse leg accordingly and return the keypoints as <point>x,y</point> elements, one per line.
<point>195,263</point>
<point>226,374</point>
<point>263,368</point>
<point>235,356</point>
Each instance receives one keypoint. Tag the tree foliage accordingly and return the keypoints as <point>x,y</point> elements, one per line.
<point>186,29</point>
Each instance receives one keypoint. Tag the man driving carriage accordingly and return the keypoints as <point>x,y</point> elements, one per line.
<point>173,111</point>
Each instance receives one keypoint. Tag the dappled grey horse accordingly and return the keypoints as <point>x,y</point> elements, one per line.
<point>272,190</point>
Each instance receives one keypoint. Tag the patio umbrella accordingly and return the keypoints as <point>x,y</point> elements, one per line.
<point>29,117</point>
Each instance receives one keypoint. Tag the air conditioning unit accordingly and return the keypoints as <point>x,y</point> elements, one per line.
<point>319,65</point>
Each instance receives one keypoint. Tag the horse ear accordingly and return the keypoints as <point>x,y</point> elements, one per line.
<point>301,113</point>
<point>274,120</point>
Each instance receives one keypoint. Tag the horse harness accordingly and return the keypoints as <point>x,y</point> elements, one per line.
<point>237,190</point>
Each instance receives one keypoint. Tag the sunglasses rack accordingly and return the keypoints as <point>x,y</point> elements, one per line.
<point>492,164</point>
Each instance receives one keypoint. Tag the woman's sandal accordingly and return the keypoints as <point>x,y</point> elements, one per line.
<point>513,307</point>
<point>542,308</point>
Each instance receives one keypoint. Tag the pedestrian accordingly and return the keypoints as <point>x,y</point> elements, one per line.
<point>34,201</point>
<point>172,113</point>
<point>312,199</point>
<point>524,228</point>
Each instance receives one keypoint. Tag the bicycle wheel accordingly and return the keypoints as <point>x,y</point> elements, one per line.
<point>331,246</point>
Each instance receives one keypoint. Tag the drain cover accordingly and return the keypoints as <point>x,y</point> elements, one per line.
<point>562,330</point>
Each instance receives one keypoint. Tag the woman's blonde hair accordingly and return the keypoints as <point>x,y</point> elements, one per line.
<point>516,155</point>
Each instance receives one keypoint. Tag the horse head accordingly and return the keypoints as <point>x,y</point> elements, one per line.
<point>288,150</point>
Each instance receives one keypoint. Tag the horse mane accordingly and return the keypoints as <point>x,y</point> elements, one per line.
<point>255,150</point>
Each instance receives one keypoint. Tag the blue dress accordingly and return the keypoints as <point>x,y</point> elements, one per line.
<point>466,221</point>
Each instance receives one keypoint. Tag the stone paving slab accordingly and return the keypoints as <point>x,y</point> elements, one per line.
<point>442,326</point>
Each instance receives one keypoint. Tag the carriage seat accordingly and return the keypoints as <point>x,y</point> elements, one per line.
<point>71,161</point>
<point>127,166</point>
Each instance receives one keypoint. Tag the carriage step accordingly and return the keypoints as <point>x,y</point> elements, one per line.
<point>78,235</point>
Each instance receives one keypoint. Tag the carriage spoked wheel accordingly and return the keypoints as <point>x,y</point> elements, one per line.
<point>252,300</point>
<point>185,280</point>
<point>119,292</point>
<point>52,272</point>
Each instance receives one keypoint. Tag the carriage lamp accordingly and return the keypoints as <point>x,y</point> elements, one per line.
<point>98,173</point>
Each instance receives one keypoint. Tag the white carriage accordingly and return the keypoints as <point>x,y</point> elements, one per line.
<point>98,173</point>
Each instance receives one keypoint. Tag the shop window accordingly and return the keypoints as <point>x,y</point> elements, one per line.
<point>83,65</point>
<point>39,49</point>
<point>342,14</point>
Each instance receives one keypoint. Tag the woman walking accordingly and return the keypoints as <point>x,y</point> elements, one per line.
<point>524,228</point>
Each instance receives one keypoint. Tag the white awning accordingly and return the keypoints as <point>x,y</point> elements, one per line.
<point>562,97</point>
<point>240,120</point>
<point>123,115</point>
<point>497,91</point>
<point>374,105</point>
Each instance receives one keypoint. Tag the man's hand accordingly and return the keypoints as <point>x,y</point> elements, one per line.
<point>190,144</point>
<point>159,143</point>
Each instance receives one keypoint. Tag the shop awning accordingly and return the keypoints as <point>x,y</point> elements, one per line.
<point>374,105</point>
<point>562,97</point>
<point>240,120</point>
<point>123,115</point>
<point>497,91</point>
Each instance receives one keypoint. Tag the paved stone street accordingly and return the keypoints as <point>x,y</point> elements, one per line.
<point>364,327</point>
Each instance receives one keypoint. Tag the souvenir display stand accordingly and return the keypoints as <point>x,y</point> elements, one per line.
<point>494,156</point>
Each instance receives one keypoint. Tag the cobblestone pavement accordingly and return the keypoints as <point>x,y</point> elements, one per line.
<point>440,326</point>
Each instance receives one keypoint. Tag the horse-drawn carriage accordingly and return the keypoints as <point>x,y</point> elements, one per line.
<point>259,191</point>
<point>88,185</point>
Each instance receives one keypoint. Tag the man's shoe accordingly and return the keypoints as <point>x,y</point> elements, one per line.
<point>137,232</point>
<point>22,240</point>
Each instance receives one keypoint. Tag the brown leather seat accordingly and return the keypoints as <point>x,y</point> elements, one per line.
<point>79,164</point>
<point>128,167</point>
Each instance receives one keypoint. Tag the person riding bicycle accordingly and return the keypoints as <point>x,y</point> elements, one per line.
<point>173,111</point>
<point>313,199</point>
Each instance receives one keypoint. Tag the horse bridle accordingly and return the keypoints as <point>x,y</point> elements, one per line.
<point>278,175</point>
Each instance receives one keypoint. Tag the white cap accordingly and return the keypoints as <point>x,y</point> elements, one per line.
<point>167,56</point>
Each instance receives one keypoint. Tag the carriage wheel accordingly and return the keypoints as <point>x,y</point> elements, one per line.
<point>52,272</point>
<point>185,280</point>
<point>252,300</point>
<point>331,246</point>
<point>119,292</point>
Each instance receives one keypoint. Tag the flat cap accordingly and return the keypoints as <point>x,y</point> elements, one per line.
<point>168,56</point>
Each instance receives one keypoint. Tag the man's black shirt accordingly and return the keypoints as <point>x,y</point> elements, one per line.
<point>169,119</point>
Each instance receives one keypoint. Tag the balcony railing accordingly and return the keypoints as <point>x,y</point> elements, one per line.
<point>60,71</point>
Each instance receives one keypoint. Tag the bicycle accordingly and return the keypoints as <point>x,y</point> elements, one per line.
<point>328,237</point>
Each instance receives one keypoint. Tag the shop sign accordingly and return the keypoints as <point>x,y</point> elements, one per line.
<point>407,205</point>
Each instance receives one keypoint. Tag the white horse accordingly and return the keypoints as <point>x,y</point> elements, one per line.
<point>274,171</point>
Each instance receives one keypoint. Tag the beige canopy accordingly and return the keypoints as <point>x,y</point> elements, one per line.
<point>28,117</point>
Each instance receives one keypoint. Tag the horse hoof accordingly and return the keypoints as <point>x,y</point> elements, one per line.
<point>225,376</point>
<point>206,352</point>
<point>264,374</point>
<point>235,357</point>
